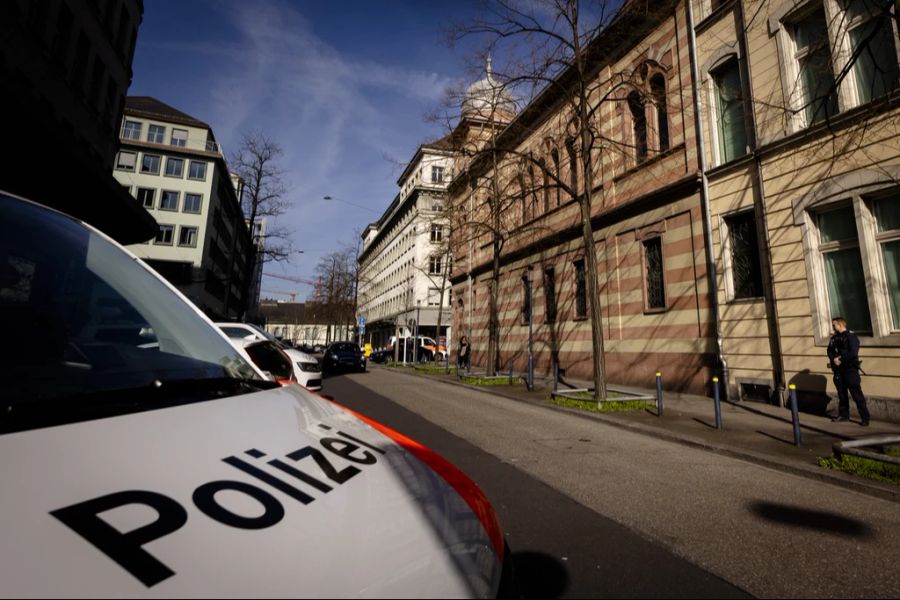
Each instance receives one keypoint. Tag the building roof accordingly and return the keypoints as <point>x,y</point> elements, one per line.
<point>147,106</point>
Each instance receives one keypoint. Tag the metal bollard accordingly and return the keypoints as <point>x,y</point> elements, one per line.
<point>447,363</point>
<point>659,398</point>
<point>509,362</point>
<point>795,413</point>
<point>718,403</point>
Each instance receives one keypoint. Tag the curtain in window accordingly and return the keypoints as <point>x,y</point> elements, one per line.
<point>816,76</point>
<point>890,252</point>
<point>847,288</point>
<point>730,113</point>
<point>875,69</point>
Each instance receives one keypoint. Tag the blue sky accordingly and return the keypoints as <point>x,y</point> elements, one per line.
<point>343,88</point>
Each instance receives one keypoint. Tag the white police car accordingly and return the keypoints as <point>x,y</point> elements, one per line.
<point>141,455</point>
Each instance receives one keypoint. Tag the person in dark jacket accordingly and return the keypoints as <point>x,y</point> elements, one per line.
<point>843,359</point>
<point>462,355</point>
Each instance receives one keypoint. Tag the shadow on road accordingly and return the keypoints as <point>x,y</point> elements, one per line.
<point>816,520</point>
<point>540,575</point>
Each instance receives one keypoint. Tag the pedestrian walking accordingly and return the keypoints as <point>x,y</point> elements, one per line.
<point>843,359</point>
<point>462,355</point>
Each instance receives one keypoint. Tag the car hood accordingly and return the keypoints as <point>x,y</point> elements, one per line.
<point>299,356</point>
<point>275,493</point>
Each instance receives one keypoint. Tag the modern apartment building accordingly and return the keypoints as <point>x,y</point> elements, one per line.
<point>66,67</point>
<point>171,163</point>
<point>404,262</point>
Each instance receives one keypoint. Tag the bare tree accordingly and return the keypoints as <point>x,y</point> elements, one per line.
<point>263,198</point>
<point>336,272</point>
<point>550,56</point>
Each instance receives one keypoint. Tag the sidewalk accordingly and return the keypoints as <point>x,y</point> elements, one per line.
<point>752,431</point>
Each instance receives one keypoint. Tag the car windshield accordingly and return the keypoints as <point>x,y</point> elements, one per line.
<point>345,347</point>
<point>83,319</point>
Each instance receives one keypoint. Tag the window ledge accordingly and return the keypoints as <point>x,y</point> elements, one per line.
<point>580,318</point>
<point>867,341</point>
<point>655,311</point>
<point>753,300</point>
<point>651,160</point>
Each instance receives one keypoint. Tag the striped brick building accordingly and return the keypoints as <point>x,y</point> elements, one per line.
<point>647,221</point>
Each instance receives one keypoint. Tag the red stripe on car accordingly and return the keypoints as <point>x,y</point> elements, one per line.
<point>459,481</point>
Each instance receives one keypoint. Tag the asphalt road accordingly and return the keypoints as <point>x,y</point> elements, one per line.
<point>595,511</point>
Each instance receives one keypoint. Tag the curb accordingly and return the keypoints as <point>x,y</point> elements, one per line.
<point>817,473</point>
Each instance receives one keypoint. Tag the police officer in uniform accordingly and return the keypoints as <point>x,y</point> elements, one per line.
<point>843,359</point>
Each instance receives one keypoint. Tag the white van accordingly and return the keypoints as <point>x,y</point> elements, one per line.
<point>141,455</point>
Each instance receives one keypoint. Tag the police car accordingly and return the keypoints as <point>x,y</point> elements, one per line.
<point>141,455</point>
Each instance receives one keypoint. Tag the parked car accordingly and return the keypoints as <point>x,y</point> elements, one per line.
<point>271,359</point>
<point>381,356</point>
<point>344,356</point>
<point>165,464</point>
<point>307,370</point>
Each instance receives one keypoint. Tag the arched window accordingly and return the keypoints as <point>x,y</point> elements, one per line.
<point>554,156</point>
<point>523,199</point>
<point>658,90</point>
<point>573,165</point>
<point>545,188</point>
<point>638,126</point>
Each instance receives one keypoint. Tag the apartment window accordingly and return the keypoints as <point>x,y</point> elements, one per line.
<point>197,170</point>
<point>165,235</point>
<point>842,261</point>
<point>580,291</point>
<point>179,137</point>
<point>638,126</point>
<point>150,164</point>
<point>437,233</point>
<point>550,295</point>
<point>864,55</point>
<point>658,91</point>
<point>743,271</point>
<point>146,197</point>
<point>434,265</point>
<point>126,161</point>
<point>168,200</point>
<point>192,203</point>
<point>872,41</point>
<point>434,297</point>
<point>855,266</point>
<point>187,236</point>
<point>437,174</point>
<point>654,277</point>
<point>174,167</point>
<point>729,101</point>
<point>887,219</point>
<point>156,134</point>
<point>131,130</point>
<point>814,77</point>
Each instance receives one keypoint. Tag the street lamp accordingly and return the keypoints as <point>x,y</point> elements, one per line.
<point>526,279</point>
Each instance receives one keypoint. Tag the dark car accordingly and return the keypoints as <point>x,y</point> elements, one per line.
<point>344,356</point>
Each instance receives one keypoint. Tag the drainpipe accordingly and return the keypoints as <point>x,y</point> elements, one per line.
<point>762,230</point>
<point>704,198</point>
